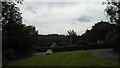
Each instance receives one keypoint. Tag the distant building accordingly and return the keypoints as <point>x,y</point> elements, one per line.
<point>53,45</point>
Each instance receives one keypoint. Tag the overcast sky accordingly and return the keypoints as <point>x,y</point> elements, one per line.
<point>59,17</point>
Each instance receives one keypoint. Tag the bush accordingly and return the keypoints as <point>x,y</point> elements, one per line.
<point>98,46</point>
<point>61,48</point>
<point>116,42</point>
<point>41,49</point>
<point>92,45</point>
<point>81,42</point>
<point>81,46</point>
<point>7,56</point>
<point>62,44</point>
<point>67,48</point>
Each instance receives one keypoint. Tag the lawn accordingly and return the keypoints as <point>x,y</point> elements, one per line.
<point>70,58</point>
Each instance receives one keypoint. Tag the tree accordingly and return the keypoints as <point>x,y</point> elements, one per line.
<point>17,37</point>
<point>11,25</point>
<point>99,32</point>
<point>113,10</point>
<point>72,34</point>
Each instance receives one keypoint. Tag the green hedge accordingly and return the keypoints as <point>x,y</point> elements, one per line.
<point>116,42</point>
<point>74,47</point>
<point>61,48</point>
<point>68,48</point>
<point>41,49</point>
<point>98,46</point>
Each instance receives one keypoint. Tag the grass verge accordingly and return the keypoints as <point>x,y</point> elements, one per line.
<point>70,58</point>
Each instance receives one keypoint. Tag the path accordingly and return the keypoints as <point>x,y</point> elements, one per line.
<point>106,53</point>
<point>39,54</point>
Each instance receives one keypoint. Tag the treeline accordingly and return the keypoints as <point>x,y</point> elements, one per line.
<point>102,35</point>
<point>20,41</point>
<point>105,33</point>
<point>17,38</point>
<point>59,40</point>
<point>100,32</point>
<point>48,40</point>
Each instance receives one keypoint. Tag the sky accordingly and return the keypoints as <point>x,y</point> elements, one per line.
<point>52,17</point>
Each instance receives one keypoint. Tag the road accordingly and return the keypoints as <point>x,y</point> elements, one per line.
<point>107,54</point>
<point>104,53</point>
<point>39,54</point>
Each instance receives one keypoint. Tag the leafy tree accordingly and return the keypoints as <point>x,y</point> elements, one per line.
<point>97,33</point>
<point>17,37</point>
<point>11,24</point>
<point>113,10</point>
<point>115,42</point>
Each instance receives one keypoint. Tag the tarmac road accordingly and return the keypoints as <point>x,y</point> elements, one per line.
<point>104,53</point>
<point>39,54</point>
<point>107,54</point>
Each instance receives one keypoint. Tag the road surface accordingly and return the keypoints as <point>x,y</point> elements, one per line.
<point>39,54</point>
<point>107,54</point>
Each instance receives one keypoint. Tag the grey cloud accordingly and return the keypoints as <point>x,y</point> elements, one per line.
<point>25,20</point>
<point>49,4</point>
<point>36,23</point>
<point>74,23</point>
<point>41,24</point>
<point>30,9</point>
<point>48,17</point>
<point>62,4</point>
<point>84,19</point>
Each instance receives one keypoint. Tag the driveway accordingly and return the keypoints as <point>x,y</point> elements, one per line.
<point>107,54</point>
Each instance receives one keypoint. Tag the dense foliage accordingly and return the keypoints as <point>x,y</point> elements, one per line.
<point>18,38</point>
<point>48,40</point>
<point>100,36</point>
<point>98,32</point>
<point>113,12</point>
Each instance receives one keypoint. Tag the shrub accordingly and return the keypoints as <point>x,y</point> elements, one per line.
<point>62,44</point>
<point>81,42</point>
<point>98,46</point>
<point>68,48</point>
<point>61,48</point>
<point>41,49</point>
<point>7,56</point>
<point>92,45</point>
<point>74,47</point>
<point>116,42</point>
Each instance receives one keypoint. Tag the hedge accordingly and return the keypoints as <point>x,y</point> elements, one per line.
<point>74,47</point>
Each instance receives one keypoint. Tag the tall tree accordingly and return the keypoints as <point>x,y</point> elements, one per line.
<point>11,24</point>
<point>113,10</point>
<point>98,32</point>
<point>72,34</point>
<point>17,37</point>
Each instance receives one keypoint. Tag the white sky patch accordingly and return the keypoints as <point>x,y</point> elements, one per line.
<point>63,0</point>
<point>59,17</point>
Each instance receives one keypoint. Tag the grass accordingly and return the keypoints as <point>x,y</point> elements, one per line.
<point>71,58</point>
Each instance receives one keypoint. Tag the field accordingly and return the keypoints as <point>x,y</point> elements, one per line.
<point>70,58</point>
